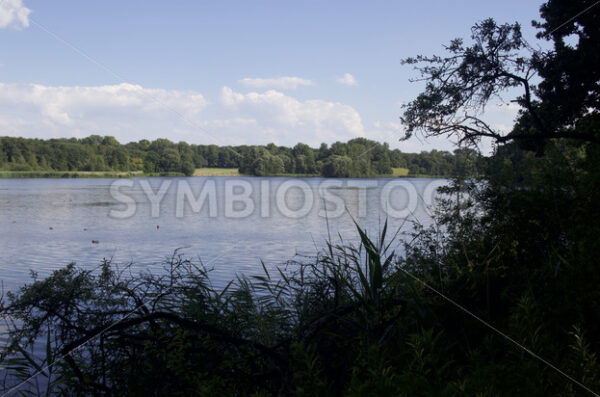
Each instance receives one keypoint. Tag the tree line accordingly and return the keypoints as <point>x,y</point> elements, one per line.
<point>358,157</point>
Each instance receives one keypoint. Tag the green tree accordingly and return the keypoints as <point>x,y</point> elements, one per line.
<point>151,162</point>
<point>187,167</point>
<point>170,161</point>
<point>460,85</point>
<point>337,166</point>
<point>570,70</point>
<point>109,141</point>
<point>212,156</point>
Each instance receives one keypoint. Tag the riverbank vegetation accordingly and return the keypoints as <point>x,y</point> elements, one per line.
<point>22,157</point>
<point>69,174</point>
<point>498,297</point>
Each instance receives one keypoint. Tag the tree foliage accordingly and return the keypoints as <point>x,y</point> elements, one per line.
<point>361,157</point>
<point>499,296</point>
<point>498,62</point>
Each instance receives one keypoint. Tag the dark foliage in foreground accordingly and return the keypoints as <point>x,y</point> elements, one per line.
<point>309,330</point>
<point>518,250</point>
<point>514,255</point>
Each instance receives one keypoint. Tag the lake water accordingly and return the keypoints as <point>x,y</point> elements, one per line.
<point>48,223</point>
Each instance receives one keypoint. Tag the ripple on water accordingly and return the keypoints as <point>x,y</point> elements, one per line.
<point>47,223</point>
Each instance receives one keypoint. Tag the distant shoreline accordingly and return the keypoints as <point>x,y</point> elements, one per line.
<point>104,157</point>
<point>202,172</point>
<point>199,172</point>
<point>77,174</point>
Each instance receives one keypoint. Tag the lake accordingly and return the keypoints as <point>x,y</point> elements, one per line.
<point>229,223</point>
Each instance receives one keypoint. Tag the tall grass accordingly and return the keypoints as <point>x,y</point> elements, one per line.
<point>345,322</point>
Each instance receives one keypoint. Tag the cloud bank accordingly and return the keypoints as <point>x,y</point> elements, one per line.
<point>132,112</point>
<point>286,119</point>
<point>67,105</point>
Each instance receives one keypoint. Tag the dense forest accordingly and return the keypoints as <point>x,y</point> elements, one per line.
<point>499,297</point>
<point>358,157</point>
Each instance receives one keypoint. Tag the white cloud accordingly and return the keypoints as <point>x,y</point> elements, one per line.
<point>282,83</point>
<point>67,105</point>
<point>13,14</point>
<point>131,112</point>
<point>287,120</point>
<point>127,111</point>
<point>347,79</point>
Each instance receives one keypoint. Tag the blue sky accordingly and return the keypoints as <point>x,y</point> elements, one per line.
<point>226,72</point>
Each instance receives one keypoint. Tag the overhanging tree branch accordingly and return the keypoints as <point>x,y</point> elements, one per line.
<point>459,86</point>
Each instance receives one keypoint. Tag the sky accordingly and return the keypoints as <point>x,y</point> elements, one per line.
<point>229,72</point>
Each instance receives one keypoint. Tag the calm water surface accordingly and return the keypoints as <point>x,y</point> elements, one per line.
<point>48,223</point>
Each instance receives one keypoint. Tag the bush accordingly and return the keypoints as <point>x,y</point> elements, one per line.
<point>188,168</point>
